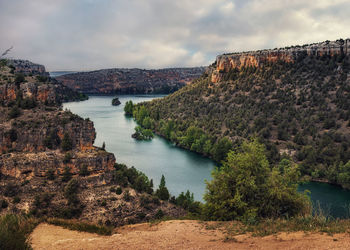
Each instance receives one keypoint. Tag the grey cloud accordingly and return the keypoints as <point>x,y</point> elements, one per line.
<point>91,34</point>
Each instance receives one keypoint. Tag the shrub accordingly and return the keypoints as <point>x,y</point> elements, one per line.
<point>16,199</point>
<point>67,143</point>
<point>67,157</point>
<point>19,78</point>
<point>81,226</point>
<point>14,112</point>
<point>71,190</point>
<point>14,232</point>
<point>128,109</point>
<point>247,188</point>
<point>159,214</point>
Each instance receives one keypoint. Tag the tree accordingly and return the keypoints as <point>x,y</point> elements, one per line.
<point>162,191</point>
<point>103,146</point>
<point>128,109</point>
<point>66,142</point>
<point>221,149</point>
<point>246,187</point>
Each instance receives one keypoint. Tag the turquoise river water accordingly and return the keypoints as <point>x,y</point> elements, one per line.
<point>183,170</point>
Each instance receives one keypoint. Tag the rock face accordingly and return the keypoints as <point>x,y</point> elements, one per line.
<point>33,128</point>
<point>131,81</point>
<point>227,62</point>
<point>49,166</point>
<point>27,67</point>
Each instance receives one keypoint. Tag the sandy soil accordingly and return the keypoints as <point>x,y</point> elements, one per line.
<point>179,235</point>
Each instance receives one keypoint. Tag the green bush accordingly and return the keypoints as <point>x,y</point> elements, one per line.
<point>247,188</point>
<point>14,232</point>
<point>67,143</point>
<point>71,192</point>
<point>159,214</point>
<point>19,78</point>
<point>128,109</point>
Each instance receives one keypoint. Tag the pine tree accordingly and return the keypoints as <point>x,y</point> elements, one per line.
<point>162,191</point>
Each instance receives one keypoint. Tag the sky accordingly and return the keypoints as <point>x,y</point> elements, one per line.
<point>95,34</point>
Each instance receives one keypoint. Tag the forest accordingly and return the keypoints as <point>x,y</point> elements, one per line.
<point>299,111</point>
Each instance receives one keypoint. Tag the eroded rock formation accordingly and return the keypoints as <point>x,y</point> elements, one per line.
<point>227,62</point>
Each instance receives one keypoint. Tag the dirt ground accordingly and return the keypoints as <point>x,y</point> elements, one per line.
<point>179,234</point>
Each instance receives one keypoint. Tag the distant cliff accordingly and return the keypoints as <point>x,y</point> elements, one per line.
<point>27,67</point>
<point>131,81</point>
<point>227,62</point>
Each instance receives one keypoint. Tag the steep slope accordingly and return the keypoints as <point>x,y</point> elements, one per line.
<point>131,81</point>
<point>50,167</point>
<point>296,100</point>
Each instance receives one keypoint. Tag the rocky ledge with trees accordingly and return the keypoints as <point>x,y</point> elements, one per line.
<point>49,166</point>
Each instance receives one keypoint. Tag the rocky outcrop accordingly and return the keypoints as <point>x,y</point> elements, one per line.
<point>43,129</point>
<point>28,165</point>
<point>227,62</point>
<point>28,68</point>
<point>35,132</point>
<point>131,81</point>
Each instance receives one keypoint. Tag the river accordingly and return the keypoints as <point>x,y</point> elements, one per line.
<point>183,170</point>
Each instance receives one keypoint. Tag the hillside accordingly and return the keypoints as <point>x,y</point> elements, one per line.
<point>131,81</point>
<point>296,100</point>
<point>49,166</point>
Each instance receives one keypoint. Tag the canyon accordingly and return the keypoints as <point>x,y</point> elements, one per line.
<point>49,165</point>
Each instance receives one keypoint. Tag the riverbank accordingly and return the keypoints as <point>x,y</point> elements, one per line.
<point>184,234</point>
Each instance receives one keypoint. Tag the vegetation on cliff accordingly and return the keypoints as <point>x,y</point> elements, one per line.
<point>300,109</point>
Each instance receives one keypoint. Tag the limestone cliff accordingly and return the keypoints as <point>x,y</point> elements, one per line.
<point>131,81</point>
<point>33,128</point>
<point>27,67</point>
<point>227,62</point>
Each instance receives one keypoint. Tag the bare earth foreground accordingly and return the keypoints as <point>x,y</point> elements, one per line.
<point>179,234</point>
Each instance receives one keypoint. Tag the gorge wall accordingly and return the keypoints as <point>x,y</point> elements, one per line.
<point>33,126</point>
<point>227,62</point>
<point>131,81</point>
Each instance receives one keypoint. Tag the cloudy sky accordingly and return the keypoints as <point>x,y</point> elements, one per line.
<point>94,34</point>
